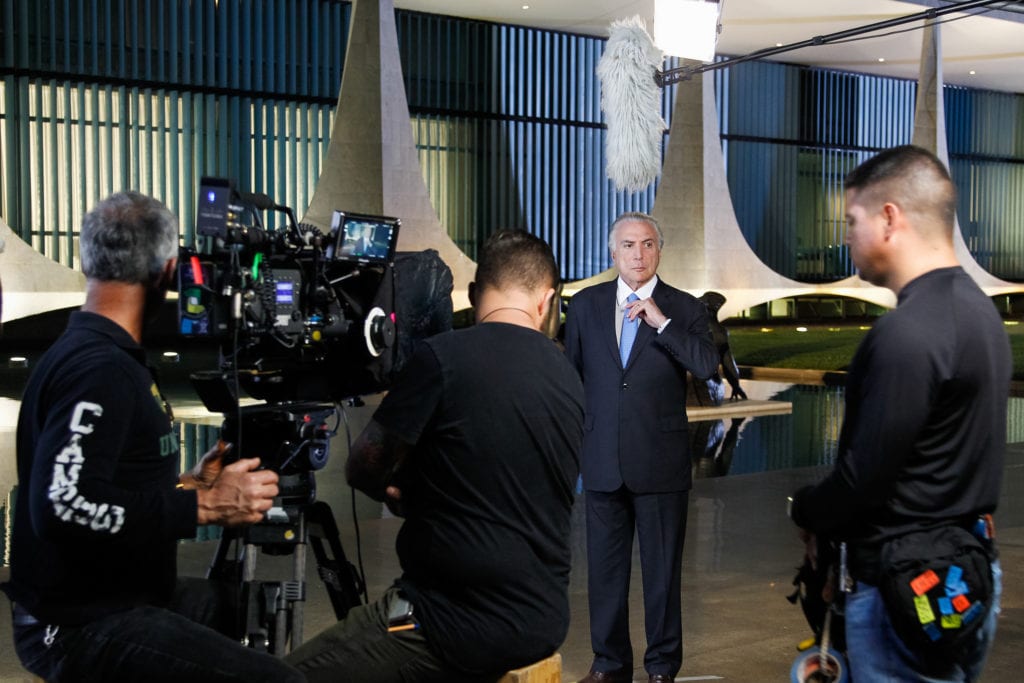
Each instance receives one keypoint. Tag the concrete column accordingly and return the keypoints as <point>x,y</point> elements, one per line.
<point>34,283</point>
<point>372,165</point>
<point>930,133</point>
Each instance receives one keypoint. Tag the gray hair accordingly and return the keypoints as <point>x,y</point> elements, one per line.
<point>639,217</point>
<point>128,237</point>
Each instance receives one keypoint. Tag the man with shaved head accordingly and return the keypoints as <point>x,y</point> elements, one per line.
<point>921,450</point>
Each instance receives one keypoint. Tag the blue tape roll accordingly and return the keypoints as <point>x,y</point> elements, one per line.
<point>810,662</point>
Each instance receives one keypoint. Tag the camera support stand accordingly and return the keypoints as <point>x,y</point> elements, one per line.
<point>272,612</point>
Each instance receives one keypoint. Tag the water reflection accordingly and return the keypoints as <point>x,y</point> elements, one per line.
<point>808,436</point>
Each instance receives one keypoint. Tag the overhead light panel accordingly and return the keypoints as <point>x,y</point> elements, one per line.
<point>687,28</point>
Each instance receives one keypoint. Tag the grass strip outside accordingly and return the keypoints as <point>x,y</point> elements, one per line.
<point>822,347</point>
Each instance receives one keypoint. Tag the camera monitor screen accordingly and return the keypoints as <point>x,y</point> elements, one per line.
<point>213,207</point>
<point>364,239</point>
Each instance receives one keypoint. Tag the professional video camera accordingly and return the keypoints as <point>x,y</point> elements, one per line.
<point>303,320</point>
<point>298,314</point>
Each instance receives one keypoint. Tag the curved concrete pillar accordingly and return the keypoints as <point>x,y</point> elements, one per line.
<point>33,283</point>
<point>704,246</point>
<point>371,165</point>
<point>930,133</point>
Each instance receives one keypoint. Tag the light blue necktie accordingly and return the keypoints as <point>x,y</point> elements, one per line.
<point>629,329</point>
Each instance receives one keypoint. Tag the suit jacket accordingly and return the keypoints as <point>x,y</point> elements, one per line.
<point>635,427</point>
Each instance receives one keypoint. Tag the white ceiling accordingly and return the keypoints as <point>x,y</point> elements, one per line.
<point>992,44</point>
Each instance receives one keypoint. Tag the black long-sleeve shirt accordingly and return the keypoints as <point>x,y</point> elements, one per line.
<point>925,429</point>
<point>97,515</point>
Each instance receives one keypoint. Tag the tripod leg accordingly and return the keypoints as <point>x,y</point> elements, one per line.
<point>272,613</point>
<point>284,602</point>
<point>253,595</point>
<point>222,568</point>
<point>280,627</point>
<point>342,581</point>
<point>297,606</point>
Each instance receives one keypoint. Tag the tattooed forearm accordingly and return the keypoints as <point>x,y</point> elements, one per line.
<point>375,456</point>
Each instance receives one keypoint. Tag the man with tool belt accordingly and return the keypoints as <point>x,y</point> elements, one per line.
<point>921,450</point>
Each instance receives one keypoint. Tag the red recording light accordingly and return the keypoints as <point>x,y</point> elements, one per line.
<point>197,270</point>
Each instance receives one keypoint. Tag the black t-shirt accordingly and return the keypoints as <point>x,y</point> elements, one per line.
<point>97,515</point>
<point>496,415</point>
<point>925,428</point>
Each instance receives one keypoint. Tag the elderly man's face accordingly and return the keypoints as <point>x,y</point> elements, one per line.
<point>636,252</point>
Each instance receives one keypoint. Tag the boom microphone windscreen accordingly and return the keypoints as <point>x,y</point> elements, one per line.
<point>631,101</point>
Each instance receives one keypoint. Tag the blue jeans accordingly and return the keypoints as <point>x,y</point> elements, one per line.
<point>877,655</point>
<point>148,643</point>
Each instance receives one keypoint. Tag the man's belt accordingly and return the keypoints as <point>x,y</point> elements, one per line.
<point>865,562</point>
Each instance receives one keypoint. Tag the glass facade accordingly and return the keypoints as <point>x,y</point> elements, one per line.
<point>790,135</point>
<point>101,96</point>
<point>507,121</point>
<point>986,151</point>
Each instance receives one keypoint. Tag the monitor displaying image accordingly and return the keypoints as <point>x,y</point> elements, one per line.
<point>364,239</point>
<point>213,207</point>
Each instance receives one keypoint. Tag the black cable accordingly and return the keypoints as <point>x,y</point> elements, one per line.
<point>682,73</point>
<point>355,514</point>
<point>236,266</point>
<point>873,36</point>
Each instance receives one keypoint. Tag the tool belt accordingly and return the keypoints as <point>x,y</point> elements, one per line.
<point>936,585</point>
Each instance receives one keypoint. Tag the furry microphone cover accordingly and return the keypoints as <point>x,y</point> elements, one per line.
<point>631,101</point>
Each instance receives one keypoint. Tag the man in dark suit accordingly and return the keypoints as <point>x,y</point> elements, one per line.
<point>364,245</point>
<point>633,341</point>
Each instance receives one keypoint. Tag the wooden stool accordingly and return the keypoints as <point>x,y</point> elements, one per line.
<point>545,671</point>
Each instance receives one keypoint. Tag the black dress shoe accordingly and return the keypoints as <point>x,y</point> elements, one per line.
<point>660,678</point>
<point>605,677</point>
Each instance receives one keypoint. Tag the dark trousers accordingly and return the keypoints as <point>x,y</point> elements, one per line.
<point>179,643</point>
<point>359,649</point>
<point>660,523</point>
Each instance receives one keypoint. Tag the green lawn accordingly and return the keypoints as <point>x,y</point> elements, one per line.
<point>821,347</point>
